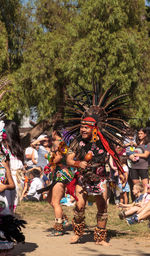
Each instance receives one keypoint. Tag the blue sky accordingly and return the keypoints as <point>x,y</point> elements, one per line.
<point>146,2</point>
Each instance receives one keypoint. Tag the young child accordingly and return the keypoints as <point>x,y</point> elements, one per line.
<point>138,193</point>
<point>124,187</point>
<point>36,184</point>
<point>137,208</point>
<point>116,182</point>
<point>130,145</point>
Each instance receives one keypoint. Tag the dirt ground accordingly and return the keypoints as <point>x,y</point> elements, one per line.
<point>38,243</point>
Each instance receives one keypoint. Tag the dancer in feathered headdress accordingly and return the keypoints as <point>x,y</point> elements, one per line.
<point>99,123</point>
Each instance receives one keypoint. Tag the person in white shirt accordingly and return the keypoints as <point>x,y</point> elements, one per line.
<point>36,184</point>
<point>31,156</point>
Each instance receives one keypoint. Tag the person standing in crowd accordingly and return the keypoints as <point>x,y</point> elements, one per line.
<point>44,149</point>
<point>115,182</point>
<point>139,165</point>
<point>11,145</point>
<point>10,227</point>
<point>130,145</point>
<point>124,187</point>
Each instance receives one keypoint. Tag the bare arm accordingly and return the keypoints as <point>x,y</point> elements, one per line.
<point>57,158</point>
<point>38,141</point>
<point>11,184</point>
<point>131,143</point>
<point>71,162</point>
<point>125,179</point>
<point>35,142</point>
<point>143,155</point>
<point>24,190</point>
<point>126,205</point>
<point>32,157</point>
<point>111,163</point>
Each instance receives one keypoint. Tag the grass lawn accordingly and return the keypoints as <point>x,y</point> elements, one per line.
<point>40,213</point>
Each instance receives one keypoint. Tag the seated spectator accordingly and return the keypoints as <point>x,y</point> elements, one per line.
<point>137,208</point>
<point>36,184</point>
<point>143,214</point>
<point>138,193</point>
<point>46,182</point>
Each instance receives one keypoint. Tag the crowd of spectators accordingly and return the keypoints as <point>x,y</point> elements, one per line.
<point>134,156</point>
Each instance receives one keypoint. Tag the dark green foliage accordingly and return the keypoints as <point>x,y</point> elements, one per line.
<point>64,44</point>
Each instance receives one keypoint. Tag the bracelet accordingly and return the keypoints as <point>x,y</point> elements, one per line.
<point>77,164</point>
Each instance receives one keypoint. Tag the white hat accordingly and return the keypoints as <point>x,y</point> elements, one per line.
<point>42,136</point>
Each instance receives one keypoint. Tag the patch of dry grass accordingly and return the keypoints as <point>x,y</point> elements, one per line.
<point>42,214</point>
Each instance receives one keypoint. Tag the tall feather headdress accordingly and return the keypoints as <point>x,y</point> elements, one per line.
<point>102,112</point>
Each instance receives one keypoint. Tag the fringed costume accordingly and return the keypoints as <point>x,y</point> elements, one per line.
<point>103,115</point>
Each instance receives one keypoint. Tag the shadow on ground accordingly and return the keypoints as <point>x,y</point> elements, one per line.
<point>22,249</point>
<point>89,234</point>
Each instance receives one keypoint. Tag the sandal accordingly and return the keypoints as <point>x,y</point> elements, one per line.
<point>55,233</point>
<point>65,223</point>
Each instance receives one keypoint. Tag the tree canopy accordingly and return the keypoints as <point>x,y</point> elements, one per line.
<point>52,46</point>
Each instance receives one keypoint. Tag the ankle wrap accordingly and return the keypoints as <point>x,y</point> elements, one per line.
<point>58,224</point>
<point>78,228</point>
<point>78,223</point>
<point>100,234</point>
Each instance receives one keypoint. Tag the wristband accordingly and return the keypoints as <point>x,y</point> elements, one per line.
<point>77,164</point>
